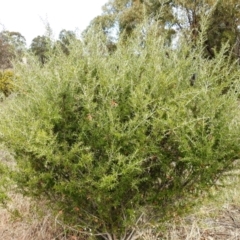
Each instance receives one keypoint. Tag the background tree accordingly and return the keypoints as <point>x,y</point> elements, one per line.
<point>121,17</point>
<point>223,23</point>
<point>40,46</point>
<point>12,44</point>
<point>65,38</point>
<point>223,27</point>
<point>175,16</point>
<point>5,52</point>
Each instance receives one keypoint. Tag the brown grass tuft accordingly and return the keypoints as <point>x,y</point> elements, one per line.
<point>22,221</point>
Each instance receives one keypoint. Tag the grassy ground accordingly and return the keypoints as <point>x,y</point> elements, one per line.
<point>217,218</point>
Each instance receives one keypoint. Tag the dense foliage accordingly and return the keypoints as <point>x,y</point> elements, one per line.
<point>114,140</point>
<point>7,82</point>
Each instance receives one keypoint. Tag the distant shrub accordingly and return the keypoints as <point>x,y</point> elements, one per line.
<point>109,139</point>
<point>6,82</point>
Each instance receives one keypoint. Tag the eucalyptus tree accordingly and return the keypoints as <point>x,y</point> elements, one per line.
<point>183,17</point>
<point>12,44</point>
<point>40,46</point>
<point>222,23</point>
<point>65,38</point>
<point>122,17</point>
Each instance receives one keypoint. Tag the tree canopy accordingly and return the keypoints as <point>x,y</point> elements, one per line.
<point>40,46</point>
<point>182,17</point>
<point>223,21</point>
<point>12,44</point>
<point>65,38</point>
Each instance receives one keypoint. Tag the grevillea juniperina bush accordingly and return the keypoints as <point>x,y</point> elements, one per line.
<point>114,140</point>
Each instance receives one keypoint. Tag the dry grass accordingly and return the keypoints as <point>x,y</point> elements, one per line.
<point>218,218</point>
<point>20,221</point>
<point>24,220</point>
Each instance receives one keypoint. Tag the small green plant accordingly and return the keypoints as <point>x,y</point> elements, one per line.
<point>114,141</point>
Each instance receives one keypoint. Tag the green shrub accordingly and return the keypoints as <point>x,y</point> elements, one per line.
<point>7,82</point>
<point>110,138</point>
